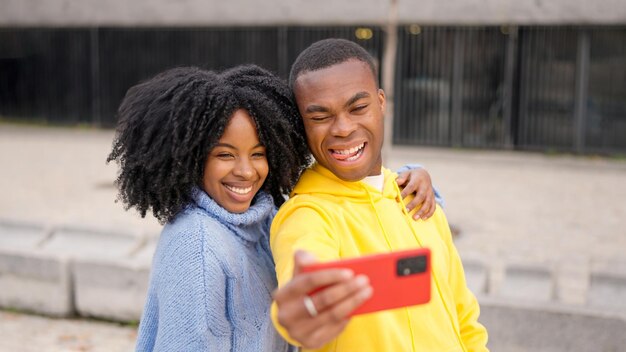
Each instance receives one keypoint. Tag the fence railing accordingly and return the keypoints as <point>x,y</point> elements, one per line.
<point>561,88</point>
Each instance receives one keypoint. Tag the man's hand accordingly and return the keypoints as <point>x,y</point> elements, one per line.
<point>342,293</point>
<point>418,181</point>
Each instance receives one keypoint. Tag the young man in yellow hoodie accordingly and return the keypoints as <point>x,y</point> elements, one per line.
<point>348,205</point>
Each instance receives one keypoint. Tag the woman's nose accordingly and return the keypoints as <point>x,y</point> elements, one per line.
<point>244,169</point>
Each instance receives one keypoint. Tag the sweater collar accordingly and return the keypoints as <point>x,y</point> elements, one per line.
<point>258,212</point>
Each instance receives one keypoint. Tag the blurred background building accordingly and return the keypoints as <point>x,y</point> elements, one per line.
<point>499,74</point>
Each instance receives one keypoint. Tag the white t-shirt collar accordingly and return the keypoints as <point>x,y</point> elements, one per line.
<point>377,181</point>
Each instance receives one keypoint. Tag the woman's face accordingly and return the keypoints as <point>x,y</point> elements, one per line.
<point>237,166</point>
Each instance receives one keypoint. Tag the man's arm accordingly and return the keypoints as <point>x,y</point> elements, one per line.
<point>297,239</point>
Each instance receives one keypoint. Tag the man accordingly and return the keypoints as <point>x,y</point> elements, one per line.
<point>348,205</point>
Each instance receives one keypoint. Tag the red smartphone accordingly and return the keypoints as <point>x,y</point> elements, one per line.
<point>399,279</point>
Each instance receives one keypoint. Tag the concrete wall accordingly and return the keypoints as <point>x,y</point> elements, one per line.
<point>515,327</point>
<point>305,12</point>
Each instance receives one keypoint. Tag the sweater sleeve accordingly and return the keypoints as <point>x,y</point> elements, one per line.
<point>190,289</point>
<point>473,334</point>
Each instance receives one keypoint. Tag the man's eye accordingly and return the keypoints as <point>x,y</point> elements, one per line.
<point>359,108</point>
<point>319,118</point>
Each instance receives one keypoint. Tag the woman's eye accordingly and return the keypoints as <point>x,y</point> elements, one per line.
<point>259,155</point>
<point>224,155</point>
<point>319,118</point>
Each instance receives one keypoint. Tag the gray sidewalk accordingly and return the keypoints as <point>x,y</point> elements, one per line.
<point>534,229</point>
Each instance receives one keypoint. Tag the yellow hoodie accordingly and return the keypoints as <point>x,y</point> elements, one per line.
<point>333,219</point>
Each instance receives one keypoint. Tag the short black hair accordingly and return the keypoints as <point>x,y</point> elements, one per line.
<point>329,52</point>
<point>168,125</point>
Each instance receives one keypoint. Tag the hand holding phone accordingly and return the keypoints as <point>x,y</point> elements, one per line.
<point>399,279</point>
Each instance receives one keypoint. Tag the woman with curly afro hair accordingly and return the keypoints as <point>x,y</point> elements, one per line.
<point>211,155</point>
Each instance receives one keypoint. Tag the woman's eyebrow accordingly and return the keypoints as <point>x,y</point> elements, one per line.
<point>226,145</point>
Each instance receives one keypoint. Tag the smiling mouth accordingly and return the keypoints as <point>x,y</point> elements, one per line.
<point>350,154</point>
<point>239,190</point>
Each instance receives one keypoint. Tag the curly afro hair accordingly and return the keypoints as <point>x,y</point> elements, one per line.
<point>168,125</point>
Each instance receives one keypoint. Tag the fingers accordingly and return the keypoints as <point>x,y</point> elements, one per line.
<point>401,179</point>
<point>431,208</point>
<point>342,298</point>
<point>420,196</point>
<point>337,294</point>
<point>334,304</point>
<point>414,181</point>
<point>331,322</point>
<point>300,259</point>
<point>425,209</point>
<point>340,311</point>
<point>304,283</point>
<point>418,182</point>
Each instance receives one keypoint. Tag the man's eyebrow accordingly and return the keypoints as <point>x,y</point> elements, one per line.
<point>315,108</point>
<point>356,97</point>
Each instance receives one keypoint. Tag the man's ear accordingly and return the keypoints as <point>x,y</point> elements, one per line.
<point>382,99</point>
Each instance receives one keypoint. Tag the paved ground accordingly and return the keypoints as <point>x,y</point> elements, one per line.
<point>29,333</point>
<point>568,213</point>
<point>59,176</point>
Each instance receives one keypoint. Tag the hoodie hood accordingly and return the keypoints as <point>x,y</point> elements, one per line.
<point>319,180</point>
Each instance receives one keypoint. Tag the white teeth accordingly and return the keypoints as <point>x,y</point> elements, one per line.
<point>350,151</point>
<point>240,190</point>
<point>354,157</point>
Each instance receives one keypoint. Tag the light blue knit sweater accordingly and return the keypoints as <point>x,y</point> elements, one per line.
<point>211,280</point>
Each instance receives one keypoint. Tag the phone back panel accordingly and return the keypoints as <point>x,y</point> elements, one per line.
<point>393,285</point>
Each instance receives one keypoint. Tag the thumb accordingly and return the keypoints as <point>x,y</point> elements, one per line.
<point>302,258</point>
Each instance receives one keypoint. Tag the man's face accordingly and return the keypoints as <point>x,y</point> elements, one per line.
<point>342,109</point>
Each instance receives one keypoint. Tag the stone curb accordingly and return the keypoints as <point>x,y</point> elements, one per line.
<point>35,283</point>
<point>64,271</point>
<point>109,290</point>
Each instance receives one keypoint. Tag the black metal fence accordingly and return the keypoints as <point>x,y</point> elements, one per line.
<point>71,76</point>
<point>561,88</point>
<point>450,87</point>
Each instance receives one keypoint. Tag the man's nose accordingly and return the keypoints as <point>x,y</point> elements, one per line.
<point>343,126</point>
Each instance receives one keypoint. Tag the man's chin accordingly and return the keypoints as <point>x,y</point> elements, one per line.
<point>350,176</point>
